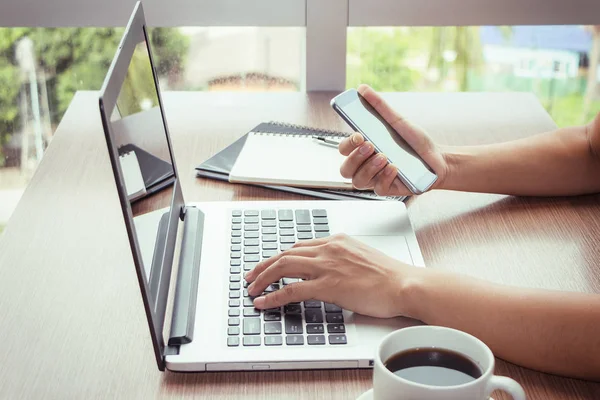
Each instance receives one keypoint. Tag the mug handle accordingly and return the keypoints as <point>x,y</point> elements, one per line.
<point>508,385</point>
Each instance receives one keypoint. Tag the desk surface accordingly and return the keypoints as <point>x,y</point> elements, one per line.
<point>72,319</point>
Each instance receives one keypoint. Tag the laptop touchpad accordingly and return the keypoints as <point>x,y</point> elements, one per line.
<point>394,246</point>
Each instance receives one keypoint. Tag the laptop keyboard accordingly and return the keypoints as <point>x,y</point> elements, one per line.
<point>258,235</point>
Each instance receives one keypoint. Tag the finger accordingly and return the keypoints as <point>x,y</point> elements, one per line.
<point>310,243</point>
<point>414,136</point>
<point>347,145</point>
<point>366,172</point>
<point>384,180</point>
<point>356,159</point>
<point>295,292</point>
<point>286,267</point>
<point>261,266</point>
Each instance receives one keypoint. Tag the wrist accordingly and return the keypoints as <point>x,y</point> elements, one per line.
<point>455,160</point>
<point>412,285</point>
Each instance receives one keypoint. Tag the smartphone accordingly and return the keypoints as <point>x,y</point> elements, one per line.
<point>362,117</point>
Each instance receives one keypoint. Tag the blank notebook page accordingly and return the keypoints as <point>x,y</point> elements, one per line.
<point>289,160</point>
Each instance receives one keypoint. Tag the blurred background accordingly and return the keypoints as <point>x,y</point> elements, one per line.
<point>42,68</point>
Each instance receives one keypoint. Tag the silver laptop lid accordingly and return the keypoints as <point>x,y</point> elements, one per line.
<point>145,172</point>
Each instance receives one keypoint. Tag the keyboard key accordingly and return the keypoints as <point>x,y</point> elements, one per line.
<point>251,340</point>
<point>273,341</point>
<point>321,228</point>
<point>313,316</point>
<point>254,213</point>
<point>268,231</point>
<point>250,235</point>
<point>268,214</point>
<point>315,339</point>
<point>251,242</point>
<point>249,266</point>
<point>236,240</point>
<point>319,235</point>
<point>235,254</point>
<point>286,225</point>
<point>236,247</point>
<point>269,253</point>
<point>286,232</point>
<point>336,328</point>
<point>304,228</point>
<point>269,238</point>
<point>293,324</point>
<point>272,316</point>
<point>337,339</point>
<point>269,224</point>
<point>234,312</point>
<point>233,341</point>
<point>233,330</point>
<point>289,281</point>
<point>234,294</point>
<point>319,213</point>
<point>287,239</point>
<point>312,304</point>
<point>273,310</point>
<point>251,250</point>
<point>250,227</point>
<point>314,328</point>
<point>233,321</point>
<point>251,312</point>
<point>248,302</point>
<point>332,308</point>
<point>246,284</point>
<point>287,246</point>
<point>272,287</point>
<point>295,340</point>
<point>236,213</point>
<point>235,262</point>
<point>285,215</point>
<point>304,235</point>
<point>236,220</point>
<point>269,246</point>
<point>251,326</point>
<point>334,318</point>
<point>251,220</point>
<point>236,227</point>
<point>235,278</point>
<point>236,234</point>
<point>272,328</point>
<point>302,217</point>
<point>320,221</point>
<point>246,293</point>
<point>293,309</point>
<point>235,270</point>
<point>251,258</point>
<point>234,303</point>
<point>234,286</point>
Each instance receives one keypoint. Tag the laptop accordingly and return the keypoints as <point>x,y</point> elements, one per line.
<point>207,322</point>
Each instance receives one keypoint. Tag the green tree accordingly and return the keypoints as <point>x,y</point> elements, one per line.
<point>73,59</point>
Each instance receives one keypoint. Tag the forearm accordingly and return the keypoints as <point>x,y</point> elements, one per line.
<point>551,331</point>
<point>562,162</point>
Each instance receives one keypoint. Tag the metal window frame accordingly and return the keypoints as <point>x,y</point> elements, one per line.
<point>326,21</point>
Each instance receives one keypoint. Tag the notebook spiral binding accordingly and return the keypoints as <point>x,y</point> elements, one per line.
<point>309,131</point>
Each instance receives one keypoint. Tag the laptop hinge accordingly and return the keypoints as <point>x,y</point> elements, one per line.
<point>186,290</point>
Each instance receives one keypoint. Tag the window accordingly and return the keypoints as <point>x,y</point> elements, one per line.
<point>550,61</point>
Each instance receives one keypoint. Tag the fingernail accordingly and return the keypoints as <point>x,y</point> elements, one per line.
<point>354,139</point>
<point>259,302</point>
<point>364,149</point>
<point>379,160</point>
<point>389,170</point>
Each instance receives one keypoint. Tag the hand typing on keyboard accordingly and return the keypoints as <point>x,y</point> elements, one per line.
<point>338,270</point>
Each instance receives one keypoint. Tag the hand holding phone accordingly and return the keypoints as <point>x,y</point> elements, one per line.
<point>414,158</point>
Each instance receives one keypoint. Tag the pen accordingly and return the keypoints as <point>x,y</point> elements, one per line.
<point>326,142</point>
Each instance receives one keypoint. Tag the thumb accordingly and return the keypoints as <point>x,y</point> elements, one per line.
<point>412,134</point>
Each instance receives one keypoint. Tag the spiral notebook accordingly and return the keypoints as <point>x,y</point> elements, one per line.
<point>221,164</point>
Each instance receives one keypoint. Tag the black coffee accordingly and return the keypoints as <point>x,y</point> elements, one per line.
<point>431,366</point>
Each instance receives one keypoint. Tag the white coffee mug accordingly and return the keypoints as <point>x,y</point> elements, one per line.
<point>389,386</point>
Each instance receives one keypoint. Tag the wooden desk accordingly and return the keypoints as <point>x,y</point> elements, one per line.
<point>71,317</point>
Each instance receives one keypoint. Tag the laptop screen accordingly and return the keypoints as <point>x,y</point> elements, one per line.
<point>139,134</point>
